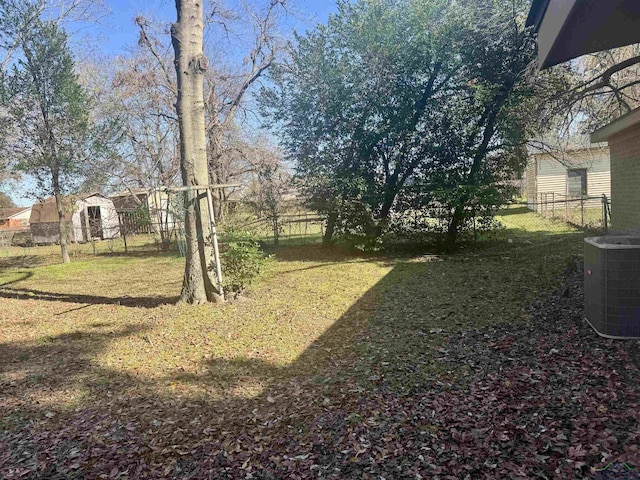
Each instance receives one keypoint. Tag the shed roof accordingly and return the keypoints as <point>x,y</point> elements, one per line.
<point>47,212</point>
<point>568,29</point>
<point>7,213</point>
<point>129,202</point>
<point>626,121</point>
<point>84,196</point>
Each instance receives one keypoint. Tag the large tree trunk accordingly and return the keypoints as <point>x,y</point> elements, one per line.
<point>332,219</point>
<point>382,221</point>
<point>63,225</point>
<point>199,284</point>
<point>454,227</point>
<point>489,130</point>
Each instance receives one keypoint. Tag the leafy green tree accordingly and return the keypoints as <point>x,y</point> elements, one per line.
<point>491,112</point>
<point>400,104</point>
<point>355,102</point>
<point>15,19</point>
<point>49,116</point>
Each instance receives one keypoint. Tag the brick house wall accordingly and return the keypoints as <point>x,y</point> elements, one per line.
<point>625,179</point>
<point>14,224</point>
<point>14,218</point>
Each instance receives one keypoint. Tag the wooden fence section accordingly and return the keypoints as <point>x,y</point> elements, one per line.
<point>134,222</point>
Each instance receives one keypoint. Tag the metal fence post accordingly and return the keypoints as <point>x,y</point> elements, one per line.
<point>214,239</point>
<point>604,214</point>
<point>539,206</point>
<point>582,210</point>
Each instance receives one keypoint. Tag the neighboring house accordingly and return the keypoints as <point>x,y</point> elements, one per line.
<point>145,210</point>
<point>623,136</point>
<point>567,29</point>
<point>131,200</point>
<point>15,218</point>
<point>580,173</point>
<point>91,217</point>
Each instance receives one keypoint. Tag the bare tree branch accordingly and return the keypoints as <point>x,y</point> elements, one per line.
<point>145,41</point>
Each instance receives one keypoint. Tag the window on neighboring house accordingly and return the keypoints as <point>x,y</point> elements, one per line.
<point>577,182</point>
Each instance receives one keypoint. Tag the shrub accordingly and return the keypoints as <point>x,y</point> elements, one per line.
<point>242,261</point>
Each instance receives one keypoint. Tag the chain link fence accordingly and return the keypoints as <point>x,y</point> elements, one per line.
<point>584,212</point>
<point>556,213</point>
<point>548,213</point>
<point>286,228</point>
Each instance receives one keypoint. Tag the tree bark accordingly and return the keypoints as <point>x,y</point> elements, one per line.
<point>332,218</point>
<point>391,191</point>
<point>199,284</point>
<point>454,226</point>
<point>490,116</point>
<point>62,223</point>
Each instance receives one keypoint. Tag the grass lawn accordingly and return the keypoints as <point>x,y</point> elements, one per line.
<point>521,219</point>
<point>96,358</point>
<point>114,316</point>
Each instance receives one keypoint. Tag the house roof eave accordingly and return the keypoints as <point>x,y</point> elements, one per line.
<point>536,14</point>
<point>10,213</point>
<point>568,29</point>
<point>603,134</point>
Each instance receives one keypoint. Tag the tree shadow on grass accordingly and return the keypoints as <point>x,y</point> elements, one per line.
<point>21,261</point>
<point>314,253</point>
<point>52,363</point>
<point>329,264</point>
<point>384,340</point>
<point>23,276</point>
<point>144,415</point>
<point>125,301</point>
<point>359,375</point>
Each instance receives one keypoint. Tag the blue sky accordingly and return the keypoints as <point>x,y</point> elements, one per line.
<point>117,29</point>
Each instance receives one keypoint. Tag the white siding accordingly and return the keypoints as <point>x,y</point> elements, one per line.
<point>556,184</point>
<point>598,184</point>
<point>76,223</point>
<point>551,174</point>
<point>23,216</point>
<point>530,176</point>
